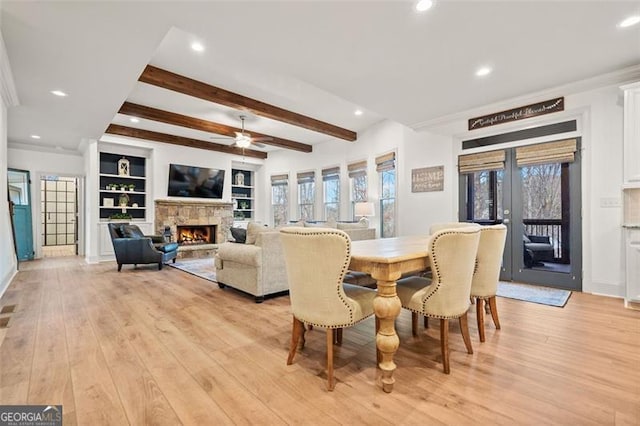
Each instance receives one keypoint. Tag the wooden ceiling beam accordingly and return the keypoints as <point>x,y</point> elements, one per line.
<point>116,129</point>
<point>178,83</point>
<point>167,117</point>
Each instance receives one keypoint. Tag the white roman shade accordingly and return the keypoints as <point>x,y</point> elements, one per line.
<point>358,168</point>
<point>551,152</point>
<point>491,160</point>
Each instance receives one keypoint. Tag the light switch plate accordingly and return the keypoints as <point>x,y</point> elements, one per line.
<point>609,202</point>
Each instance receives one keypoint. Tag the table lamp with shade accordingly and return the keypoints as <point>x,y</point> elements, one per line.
<point>364,210</point>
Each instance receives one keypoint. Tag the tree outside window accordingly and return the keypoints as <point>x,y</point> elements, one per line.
<point>306,195</point>
<point>332,198</point>
<point>358,184</point>
<point>386,167</point>
<point>280,199</point>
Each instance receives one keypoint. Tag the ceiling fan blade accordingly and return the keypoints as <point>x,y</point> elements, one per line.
<point>259,145</point>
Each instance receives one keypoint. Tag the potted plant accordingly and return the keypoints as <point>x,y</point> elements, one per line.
<point>123,187</point>
<point>132,187</point>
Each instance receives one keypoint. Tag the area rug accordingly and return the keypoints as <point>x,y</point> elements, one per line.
<point>203,268</point>
<point>536,294</point>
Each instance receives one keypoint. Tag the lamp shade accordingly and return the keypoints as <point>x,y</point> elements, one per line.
<point>364,209</point>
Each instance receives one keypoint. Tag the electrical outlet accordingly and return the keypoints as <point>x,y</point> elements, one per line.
<point>610,202</point>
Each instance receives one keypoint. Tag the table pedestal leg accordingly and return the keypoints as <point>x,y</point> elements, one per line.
<point>387,307</point>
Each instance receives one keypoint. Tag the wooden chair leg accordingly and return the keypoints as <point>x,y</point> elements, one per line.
<point>426,321</point>
<point>480,318</point>
<point>296,332</point>
<point>330,380</point>
<point>414,323</point>
<point>378,353</point>
<point>494,311</point>
<point>464,328</point>
<point>444,343</point>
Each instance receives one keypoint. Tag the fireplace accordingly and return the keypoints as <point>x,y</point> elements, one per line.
<point>196,234</point>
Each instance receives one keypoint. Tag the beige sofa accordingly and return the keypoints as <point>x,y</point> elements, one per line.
<point>259,268</point>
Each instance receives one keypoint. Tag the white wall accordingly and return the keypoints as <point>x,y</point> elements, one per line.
<point>9,97</point>
<point>8,262</point>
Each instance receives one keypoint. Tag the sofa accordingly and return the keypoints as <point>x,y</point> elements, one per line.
<point>258,267</point>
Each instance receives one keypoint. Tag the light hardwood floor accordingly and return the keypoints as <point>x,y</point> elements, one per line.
<point>164,347</point>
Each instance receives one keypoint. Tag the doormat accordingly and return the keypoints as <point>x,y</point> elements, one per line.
<point>535,294</point>
<point>203,268</point>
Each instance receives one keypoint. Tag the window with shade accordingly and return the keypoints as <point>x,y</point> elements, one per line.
<point>306,195</point>
<point>358,182</point>
<point>280,199</point>
<point>386,167</point>
<point>331,193</point>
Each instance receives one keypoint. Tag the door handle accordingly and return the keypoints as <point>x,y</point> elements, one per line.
<point>505,221</point>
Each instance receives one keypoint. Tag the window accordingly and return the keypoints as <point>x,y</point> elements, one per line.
<point>331,193</point>
<point>280,199</point>
<point>386,167</point>
<point>306,195</point>
<point>358,182</point>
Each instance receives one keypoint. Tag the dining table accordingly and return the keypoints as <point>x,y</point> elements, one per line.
<point>386,260</point>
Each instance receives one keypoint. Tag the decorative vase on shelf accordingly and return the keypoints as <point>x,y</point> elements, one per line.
<point>123,167</point>
<point>239,178</point>
<point>123,200</point>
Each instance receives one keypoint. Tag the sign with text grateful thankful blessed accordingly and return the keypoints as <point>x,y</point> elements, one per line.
<point>520,113</point>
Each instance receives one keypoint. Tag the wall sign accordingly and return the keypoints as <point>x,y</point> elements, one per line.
<point>427,179</point>
<point>528,111</point>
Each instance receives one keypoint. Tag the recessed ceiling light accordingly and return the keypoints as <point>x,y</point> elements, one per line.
<point>358,112</point>
<point>198,47</point>
<point>35,136</point>
<point>134,120</point>
<point>631,20</point>
<point>424,5</point>
<point>483,71</point>
<point>59,93</point>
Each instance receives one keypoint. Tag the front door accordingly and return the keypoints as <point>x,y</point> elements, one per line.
<point>18,186</point>
<point>539,201</point>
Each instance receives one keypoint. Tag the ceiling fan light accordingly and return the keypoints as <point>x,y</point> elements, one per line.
<point>243,141</point>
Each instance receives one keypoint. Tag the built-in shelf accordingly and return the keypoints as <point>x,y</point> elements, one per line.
<point>134,174</point>
<point>242,192</point>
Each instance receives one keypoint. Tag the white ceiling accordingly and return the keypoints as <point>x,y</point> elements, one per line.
<point>323,59</point>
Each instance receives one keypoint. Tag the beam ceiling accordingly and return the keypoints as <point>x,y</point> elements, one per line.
<point>167,117</point>
<point>178,83</point>
<point>116,129</point>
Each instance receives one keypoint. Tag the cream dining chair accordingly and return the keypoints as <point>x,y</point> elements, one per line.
<point>451,225</point>
<point>317,260</point>
<point>445,296</point>
<point>487,274</point>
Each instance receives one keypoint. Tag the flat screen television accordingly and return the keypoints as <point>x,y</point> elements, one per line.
<point>200,182</point>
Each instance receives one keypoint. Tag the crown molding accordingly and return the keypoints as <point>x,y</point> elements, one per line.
<point>7,86</point>
<point>622,76</point>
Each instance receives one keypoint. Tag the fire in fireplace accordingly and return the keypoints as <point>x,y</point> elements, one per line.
<point>196,234</point>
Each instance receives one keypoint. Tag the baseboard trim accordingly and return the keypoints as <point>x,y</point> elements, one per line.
<point>4,285</point>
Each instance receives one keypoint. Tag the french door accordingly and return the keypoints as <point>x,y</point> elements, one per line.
<point>535,192</point>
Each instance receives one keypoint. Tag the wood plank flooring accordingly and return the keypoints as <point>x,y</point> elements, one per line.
<point>149,347</point>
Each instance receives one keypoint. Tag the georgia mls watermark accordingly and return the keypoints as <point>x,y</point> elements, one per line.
<point>30,415</point>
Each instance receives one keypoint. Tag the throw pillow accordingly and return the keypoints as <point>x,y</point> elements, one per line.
<point>131,231</point>
<point>239,234</point>
<point>253,229</point>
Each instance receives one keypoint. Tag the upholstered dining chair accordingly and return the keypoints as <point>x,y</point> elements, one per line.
<point>317,260</point>
<point>445,296</point>
<point>487,274</point>
<point>451,225</point>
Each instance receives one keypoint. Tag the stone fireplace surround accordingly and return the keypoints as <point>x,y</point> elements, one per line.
<point>172,212</point>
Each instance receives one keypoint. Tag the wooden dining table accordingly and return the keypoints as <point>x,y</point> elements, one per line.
<point>386,260</point>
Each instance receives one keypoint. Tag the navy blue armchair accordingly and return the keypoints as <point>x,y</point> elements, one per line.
<point>131,246</point>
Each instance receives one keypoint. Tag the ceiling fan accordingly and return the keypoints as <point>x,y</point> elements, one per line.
<point>244,139</point>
